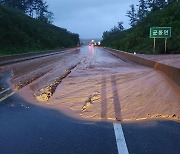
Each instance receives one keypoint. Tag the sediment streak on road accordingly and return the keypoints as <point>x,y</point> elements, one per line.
<point>120,140</point>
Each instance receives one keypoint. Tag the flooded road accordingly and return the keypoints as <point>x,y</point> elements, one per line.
<point>91,91</point>
<point>96,85</point>
<point>91,83</point>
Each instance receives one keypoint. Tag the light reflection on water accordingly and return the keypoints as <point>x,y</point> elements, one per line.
<point>91,49</point>
<point>99,55</point>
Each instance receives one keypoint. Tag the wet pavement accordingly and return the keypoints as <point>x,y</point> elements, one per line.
<point>28,128</point>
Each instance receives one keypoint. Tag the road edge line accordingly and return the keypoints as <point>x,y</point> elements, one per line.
<point>7,96</point>
<point>1,92</point>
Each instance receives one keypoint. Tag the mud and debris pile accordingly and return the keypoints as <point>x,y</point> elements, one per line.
<point>91,99</point>
<point>44,94</point>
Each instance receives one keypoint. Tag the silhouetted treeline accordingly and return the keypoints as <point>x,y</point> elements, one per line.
<point>150,13</point>
<point>144,7</point>
<point>35,8</point>
<point>137,13</point>
<point>20,33</point>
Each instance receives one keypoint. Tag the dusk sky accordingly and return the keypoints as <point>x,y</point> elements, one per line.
<point>90,18</point>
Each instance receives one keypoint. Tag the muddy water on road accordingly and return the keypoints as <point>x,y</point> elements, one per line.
<point>101,86</point>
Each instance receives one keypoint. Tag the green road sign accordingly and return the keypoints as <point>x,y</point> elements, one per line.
<point>160,32</point>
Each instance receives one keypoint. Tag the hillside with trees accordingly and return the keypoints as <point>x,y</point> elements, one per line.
<point>150,13</point>
<point>34,8</point>
<point>26,26</point>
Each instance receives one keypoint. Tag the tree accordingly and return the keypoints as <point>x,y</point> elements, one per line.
<point>1,2</point>
<point>42,9</point>
<point>162,3</point>
<point>18,4</point>
<point>105,34</point>
<point>142,11</point>
<point>50,17</point>
<point>156,4</point>
<point>132,15</point>
<point>120,26</point>
<point>42,13</point>
<point>34,8</point>
<point>114,29</point>
<point>30,8</point>
<point>172,1</point>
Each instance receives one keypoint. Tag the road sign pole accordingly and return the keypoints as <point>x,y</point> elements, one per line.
<point>160,32</point>
<point>165,45</point>
<point>154,45</point>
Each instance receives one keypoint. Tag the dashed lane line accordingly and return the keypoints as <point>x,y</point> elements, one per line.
<point>120,140</point>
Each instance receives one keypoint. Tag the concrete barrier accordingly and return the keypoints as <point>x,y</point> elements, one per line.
<point>9,59</point>
<point>172,72</point>
<point>17,56</point>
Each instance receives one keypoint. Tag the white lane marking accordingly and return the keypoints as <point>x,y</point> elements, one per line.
<point>1,92</point>
<point>120,140</point>
<point>7,96</point>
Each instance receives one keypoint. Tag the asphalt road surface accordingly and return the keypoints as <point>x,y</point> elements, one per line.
<point>31,129</point>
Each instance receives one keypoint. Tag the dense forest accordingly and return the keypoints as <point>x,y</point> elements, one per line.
<point>150,13</point>
<point>27,28</point>
<point>34,8</point>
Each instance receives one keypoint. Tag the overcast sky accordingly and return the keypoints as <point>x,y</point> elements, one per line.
<point>89,18</point>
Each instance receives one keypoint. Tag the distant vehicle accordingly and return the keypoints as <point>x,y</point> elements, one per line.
<point>93,43</point>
